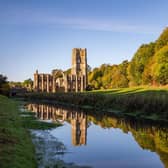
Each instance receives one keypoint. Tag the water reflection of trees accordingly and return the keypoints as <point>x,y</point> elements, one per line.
<point>148,135</point>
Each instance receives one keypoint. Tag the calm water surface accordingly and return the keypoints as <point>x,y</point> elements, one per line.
<point>105,141</point>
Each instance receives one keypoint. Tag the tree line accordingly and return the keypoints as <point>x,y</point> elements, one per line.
<point>6,86</point>
<point>148,66</point>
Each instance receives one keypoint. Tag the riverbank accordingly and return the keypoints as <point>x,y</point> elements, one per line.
<point>16,147</point>
<point>139,102</point>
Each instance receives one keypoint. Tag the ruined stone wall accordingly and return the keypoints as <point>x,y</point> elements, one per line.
<point>44,83</point>
<point>75,82</point>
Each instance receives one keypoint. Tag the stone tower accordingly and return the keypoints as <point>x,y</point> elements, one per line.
<point>79,64</point>
<point>79,61</point>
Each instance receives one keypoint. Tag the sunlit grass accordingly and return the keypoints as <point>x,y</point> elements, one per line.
<point>133,90</point>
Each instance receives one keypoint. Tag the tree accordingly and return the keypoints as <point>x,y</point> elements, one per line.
<point>106,70</point>
<point>94,78</point>
<point>149,65</point>
<point>4,86</point>
<point>119,75</point>
<point>160,66</point>
<point>3,79</point>
<point>108,76</point>
<point>28,83</point>
<point>147,77</point>
<point>138,63</point>
<point>162,40</point>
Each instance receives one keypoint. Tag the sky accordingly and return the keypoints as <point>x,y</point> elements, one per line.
<point>40,34</point>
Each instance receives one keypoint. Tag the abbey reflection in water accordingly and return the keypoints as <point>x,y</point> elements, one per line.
<point>149,136</point>
<point>78,120</point>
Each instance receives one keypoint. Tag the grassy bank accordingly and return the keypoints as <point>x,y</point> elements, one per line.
<point>139,102</point>
<point>16,148</point>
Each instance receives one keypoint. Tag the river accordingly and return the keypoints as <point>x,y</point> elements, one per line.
<point>102,140</point>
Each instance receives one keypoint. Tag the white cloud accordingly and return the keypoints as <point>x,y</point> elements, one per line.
<point>46,18</point>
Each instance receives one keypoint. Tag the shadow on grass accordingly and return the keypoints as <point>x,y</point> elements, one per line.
<point>130,91</point>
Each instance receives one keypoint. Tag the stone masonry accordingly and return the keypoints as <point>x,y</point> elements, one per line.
<point>76,81</point>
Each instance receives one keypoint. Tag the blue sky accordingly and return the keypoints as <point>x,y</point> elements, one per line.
<point>40,34</point>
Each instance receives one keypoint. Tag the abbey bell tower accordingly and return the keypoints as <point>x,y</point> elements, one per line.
<point>79,61</point>
<point>79,67</point>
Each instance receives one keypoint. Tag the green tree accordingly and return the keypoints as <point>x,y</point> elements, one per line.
<point>4,86</point>
<point>162,40</point>
<point>107,75</point>
<point>94,78</point>
<point>147,76</point>
<point>139,62</point>
<point>28,83</point>
<point>3,79</point>
<point>160,67</point>
<point>119,75</point>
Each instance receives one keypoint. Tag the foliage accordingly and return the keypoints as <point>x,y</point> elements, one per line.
<point>162,40</point>
<point>3,79</point>
<point>119,75</point>
<point>28,83</point>
<point>139,62</point>
<point>160,67</point>
<point>15,84</point>
<point>4,86</point>
<point>108,76</point>
<point>147,67</point>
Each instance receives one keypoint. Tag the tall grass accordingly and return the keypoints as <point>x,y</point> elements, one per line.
<point>142,102</point>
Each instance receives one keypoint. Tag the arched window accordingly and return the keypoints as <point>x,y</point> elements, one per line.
<point>78,60</point>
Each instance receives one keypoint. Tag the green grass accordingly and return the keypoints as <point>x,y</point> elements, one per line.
<point>16,148</point>
<point>133,90</point>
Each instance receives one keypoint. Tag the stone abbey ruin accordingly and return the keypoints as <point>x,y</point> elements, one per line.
<point>58,81</point>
